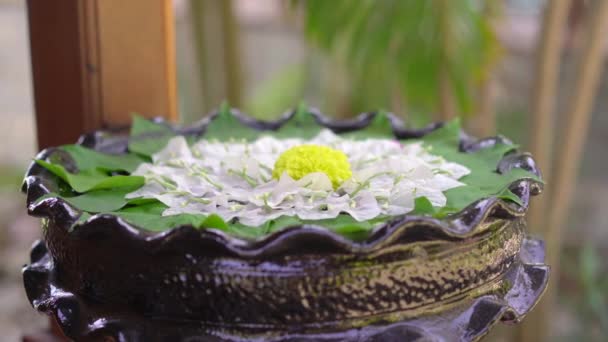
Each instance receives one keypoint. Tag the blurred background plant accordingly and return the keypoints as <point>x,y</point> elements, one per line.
<point>529,69</point>
<point>427,58</point>
<point>587,293</point>
<point>429,55</point>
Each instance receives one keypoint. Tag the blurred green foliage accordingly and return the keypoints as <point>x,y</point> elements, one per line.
<point>407,44</point>
<point>587,297</point>
<point>278,93</point>
<point>10,177</point>
<point>393,48</point>
<point>594,282</point>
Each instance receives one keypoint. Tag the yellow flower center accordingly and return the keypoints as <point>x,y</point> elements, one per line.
<point>305,159</point>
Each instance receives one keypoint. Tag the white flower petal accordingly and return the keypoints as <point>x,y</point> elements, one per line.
<point>284,188</point>
<point>320,208</point>
<point>317,181</point>
<point>436,197</point>
<point>177,148</point>
<point>363,207</point>
<point>234,179</point>
<point>455,170</point>
<point>400,202</point>
<point>149,190</point>
<point>443,182</point>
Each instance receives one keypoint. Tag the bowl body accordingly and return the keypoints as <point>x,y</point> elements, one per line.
<point>413,278</point>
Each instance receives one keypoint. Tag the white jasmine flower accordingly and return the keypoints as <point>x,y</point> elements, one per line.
<point>316,179</point>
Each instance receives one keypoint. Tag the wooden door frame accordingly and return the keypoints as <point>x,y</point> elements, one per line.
<point>93,63</point>
<point>96,61</point>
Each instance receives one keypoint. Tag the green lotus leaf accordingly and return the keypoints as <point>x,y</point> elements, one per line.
<point>97,190</point>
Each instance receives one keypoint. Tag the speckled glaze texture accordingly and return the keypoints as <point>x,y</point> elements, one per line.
<point>414,278</point>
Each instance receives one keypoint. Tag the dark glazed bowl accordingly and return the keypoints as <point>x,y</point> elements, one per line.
<point>414,278</point>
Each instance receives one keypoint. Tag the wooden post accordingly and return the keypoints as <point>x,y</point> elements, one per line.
<point>485,115</point>
<point>571,142</point>
<point>544,99</point>
<point>574,134</point>
<point>217,49</point>
<point>58,70</point>
<point>94,62</point>
<point>573,137</point>
<point>534,327</point>
<point>445,96</point>
<point>484,120</point>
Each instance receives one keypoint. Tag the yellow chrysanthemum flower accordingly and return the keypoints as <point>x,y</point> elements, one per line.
<point>305,159</point>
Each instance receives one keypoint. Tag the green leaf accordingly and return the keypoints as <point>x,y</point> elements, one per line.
<point>380,127</point>
<point>448,134</point>
<point>149,217</point>
<point>349,227</point>
<point>97,201</point>
<point>484,180</point>
<point>270,226</point>
<point>105,193</point>
<point>86,159</point>
<point>508,195</point>
<point>214,221</point>
<point>225,127</point>
<point>147,137</point>
<point>302,125</point>
<point>343,224</point>
<point>422,206</point>
<point>92,179</point>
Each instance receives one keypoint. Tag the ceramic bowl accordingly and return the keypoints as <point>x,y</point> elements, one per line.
<point>413,278</point>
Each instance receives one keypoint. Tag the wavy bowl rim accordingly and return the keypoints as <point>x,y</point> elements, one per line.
<point>458,226</point>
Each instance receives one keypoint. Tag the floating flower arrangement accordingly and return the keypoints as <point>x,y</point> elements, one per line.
<point>250,183</point>
<point>298,229</point>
